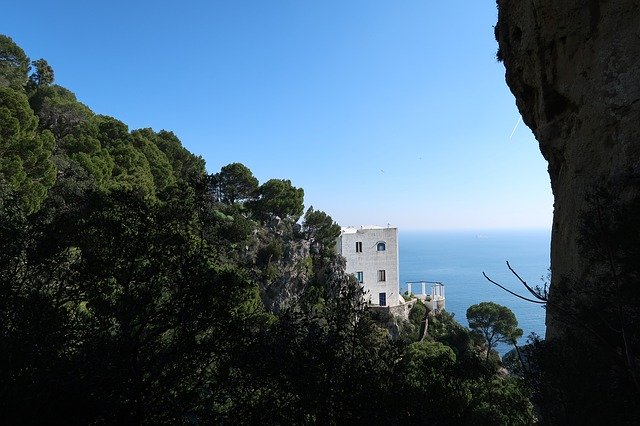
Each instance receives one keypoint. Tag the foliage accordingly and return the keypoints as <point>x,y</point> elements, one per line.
<point>131,169</point>
<point>277,197</point>
<point>495,323</point>
<point>423,360</point>
<point>135,289</point>
<point>459,384</point>
<point>25,154</point>
<point>272,252</point>
<point>59,111</point>
<point>14,64</point>
<point>321,230</point>
<point>186,166</point>
<point>235,183</point>
<point>42,76</point>
<point>418,312</point>
<point>414,329</point>
<point>145,141</point>
<point>83,147</point>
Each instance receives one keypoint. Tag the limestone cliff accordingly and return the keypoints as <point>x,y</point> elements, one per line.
<point>574,69</point>
<point>282,263</point>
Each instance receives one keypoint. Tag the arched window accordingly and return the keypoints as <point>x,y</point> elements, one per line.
<point>381,246</point>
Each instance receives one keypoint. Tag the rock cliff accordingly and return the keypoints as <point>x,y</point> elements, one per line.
<point>574,69</point>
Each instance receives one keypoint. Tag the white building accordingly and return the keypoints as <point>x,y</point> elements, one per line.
<point>372,256</point>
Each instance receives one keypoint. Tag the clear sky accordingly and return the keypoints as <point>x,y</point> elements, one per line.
<point>383,111</point>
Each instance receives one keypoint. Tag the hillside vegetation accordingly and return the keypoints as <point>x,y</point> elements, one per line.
<point>136,288</point>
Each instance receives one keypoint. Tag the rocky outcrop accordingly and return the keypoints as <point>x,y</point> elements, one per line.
<point>574,69</point>
<point>281,258</point>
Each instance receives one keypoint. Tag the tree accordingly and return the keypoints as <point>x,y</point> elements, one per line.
<point>42,76</point>
<point>25,154</point>
<point>14,64</point>
<point>83,147</point>
<point>114,310</point>
<point>321,230</point>
<point>145,141</point>
<point>495,323</point>
<point>58,110</point>
<point>186,166</point>
<point>277,197</point>
<point>235,183</point>
<point>425,360</point>
<point>131,169</point>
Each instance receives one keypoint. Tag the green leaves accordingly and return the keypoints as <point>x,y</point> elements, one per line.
<point>25,154</point>
<point>59,111</point>
<point>235,183</point>
<point>321,230</point>
<point>277,197</point>
<point>145,141</point>
<point>494,323</point>
<point>14,64</point>
<point>43,74</point>
<point>187,167</point>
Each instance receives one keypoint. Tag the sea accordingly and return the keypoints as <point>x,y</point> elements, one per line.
<point>457,259</point>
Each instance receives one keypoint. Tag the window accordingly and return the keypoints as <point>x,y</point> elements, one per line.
<point>383,299</point>
<point>360,276</point>
<point>382,275</point>
<point>381,246</point>
<point>359,247</point>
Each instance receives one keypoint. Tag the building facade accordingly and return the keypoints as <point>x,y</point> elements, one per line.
<point>372,257</point>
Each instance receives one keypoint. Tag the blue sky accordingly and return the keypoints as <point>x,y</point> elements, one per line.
<point>383,111</point>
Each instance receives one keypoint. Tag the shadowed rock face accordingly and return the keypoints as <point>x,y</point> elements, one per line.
<point>574,69</point>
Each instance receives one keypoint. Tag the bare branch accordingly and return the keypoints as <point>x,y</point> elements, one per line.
<point>535,294</point>
<point>511,292</point>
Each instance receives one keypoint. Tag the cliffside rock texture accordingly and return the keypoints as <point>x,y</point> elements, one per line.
<point>574,69</point>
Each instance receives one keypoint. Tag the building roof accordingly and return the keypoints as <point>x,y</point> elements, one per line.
<point>353,230</point>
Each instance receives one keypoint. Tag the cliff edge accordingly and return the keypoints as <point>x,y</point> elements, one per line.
<point>574,69</point>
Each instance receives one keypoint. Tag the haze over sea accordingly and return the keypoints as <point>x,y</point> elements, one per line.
<point>458,258</point>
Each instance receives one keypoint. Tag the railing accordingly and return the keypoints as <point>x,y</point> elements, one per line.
<point>436,295</point>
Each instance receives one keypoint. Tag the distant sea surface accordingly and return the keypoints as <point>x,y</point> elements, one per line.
<point>458,258</point>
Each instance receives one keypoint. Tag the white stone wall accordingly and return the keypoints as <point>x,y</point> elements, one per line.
<point>370,260</point>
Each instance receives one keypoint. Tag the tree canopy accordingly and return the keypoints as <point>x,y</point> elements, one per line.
<point>42,76</point>
<point>278,197</point>
<point>25,154</point>
<point>14,64</point>
<point>321,230</point>
<point>494,323</point>
<point>235,183</point>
